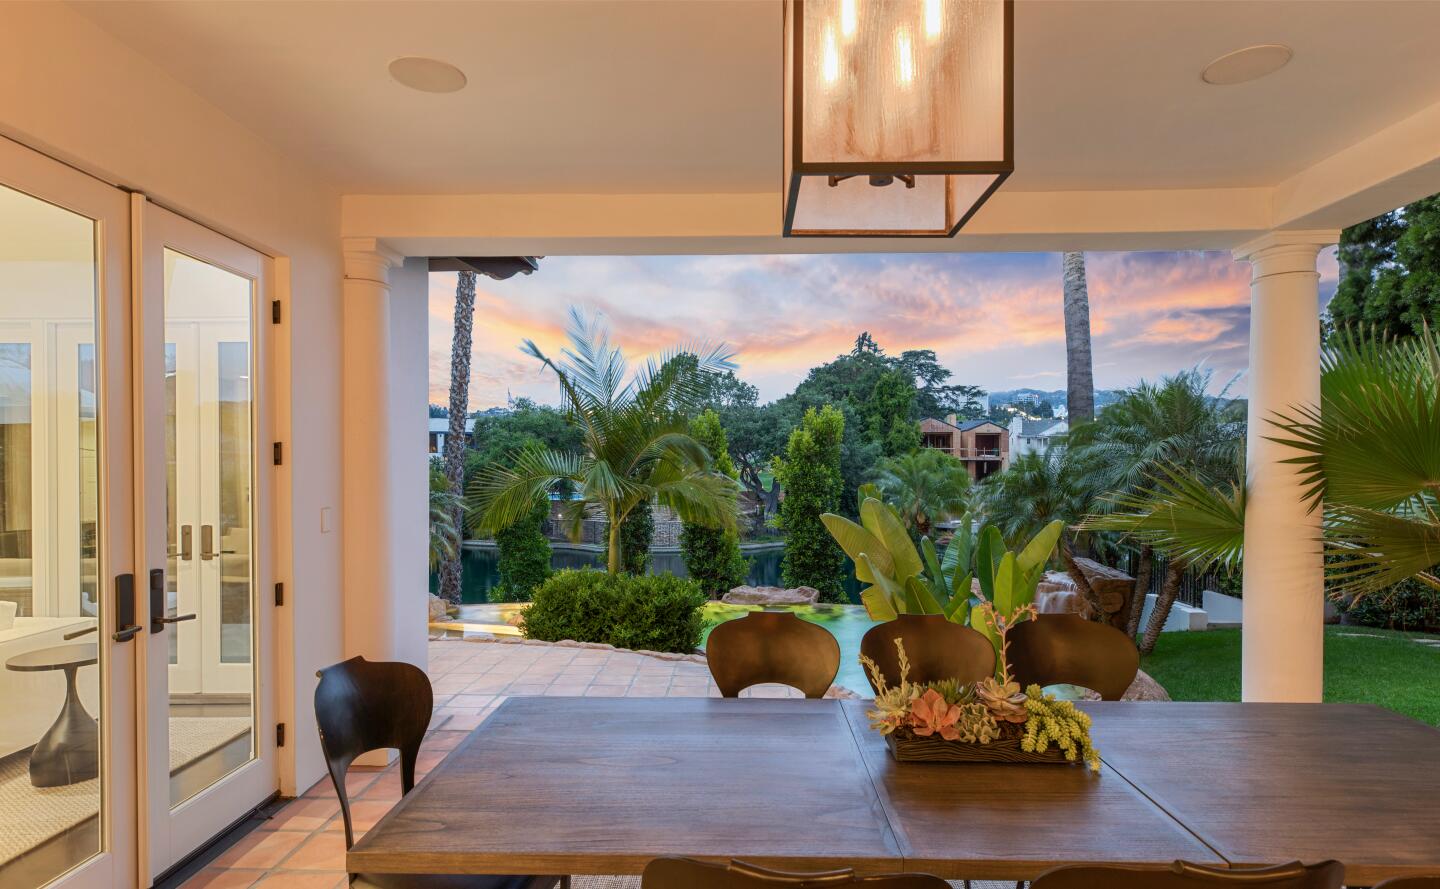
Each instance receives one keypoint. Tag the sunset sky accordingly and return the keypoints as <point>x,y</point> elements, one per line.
<point>993,319</point>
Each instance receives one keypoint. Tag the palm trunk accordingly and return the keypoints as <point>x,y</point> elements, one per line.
<point>1142,588</point>
<point>1079,376</point>
<point>1169,592</point>
<point>1082,586</point>
<point>450,574</point>
<point>612,555</point>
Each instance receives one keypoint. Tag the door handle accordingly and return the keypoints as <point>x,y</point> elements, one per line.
<point>207,542</point>
<point>187,550</point>
<point>125,609</point>
<point>158,618</point>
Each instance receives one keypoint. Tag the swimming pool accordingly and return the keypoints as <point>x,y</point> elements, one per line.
<point>847,623</point>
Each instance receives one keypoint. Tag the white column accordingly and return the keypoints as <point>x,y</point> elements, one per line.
<point>1284,596</point>
<point>385,607</point>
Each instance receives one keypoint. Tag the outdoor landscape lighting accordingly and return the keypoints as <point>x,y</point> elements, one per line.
<point>899,117</point>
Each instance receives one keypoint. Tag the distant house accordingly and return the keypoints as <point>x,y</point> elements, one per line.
<point>440,427</point>
<point>983,446</point>
<point>1037,436</point>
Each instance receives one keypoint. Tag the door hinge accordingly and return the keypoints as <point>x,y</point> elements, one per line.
<point>280,734</point>
<point>279,594</point>
<point>274,311</point>
<point>279,453</point>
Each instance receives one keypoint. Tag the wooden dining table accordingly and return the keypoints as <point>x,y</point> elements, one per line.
<point>554,785</point>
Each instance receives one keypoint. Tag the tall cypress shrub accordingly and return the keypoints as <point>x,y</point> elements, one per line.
<point>524,557</point>
<point>809,474</point>
<point>712,555</point>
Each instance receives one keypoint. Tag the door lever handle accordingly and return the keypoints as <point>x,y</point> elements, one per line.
<point>207,542</point>
<point>187,550</point>
<point>173,620</point>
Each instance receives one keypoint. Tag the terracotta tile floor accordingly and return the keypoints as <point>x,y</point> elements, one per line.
<point>303,845</point>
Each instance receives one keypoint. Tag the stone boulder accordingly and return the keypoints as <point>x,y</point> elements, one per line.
<point>1144,688</point>
<point>771,595</point>
<point>438,611</point>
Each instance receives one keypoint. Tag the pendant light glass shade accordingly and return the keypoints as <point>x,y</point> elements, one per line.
<point>898,114</point>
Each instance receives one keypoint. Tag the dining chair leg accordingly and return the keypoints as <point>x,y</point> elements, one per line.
<point>565,882</point>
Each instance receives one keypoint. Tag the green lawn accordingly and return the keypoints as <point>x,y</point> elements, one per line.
<point>1362,665</point>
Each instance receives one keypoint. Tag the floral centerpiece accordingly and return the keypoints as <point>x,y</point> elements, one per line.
<point>987,721</point>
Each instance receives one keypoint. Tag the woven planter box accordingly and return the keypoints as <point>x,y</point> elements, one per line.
<point>933,749</point>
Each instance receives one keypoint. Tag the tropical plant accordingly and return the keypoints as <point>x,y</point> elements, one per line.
<point>1132,452</point>
<point>637,533</point>
<point>444,532</point>
<point>1369,455</point>
<point>810,473</point>
<point>905,580</point>
<point>636,444</point>
<point>927,487</point>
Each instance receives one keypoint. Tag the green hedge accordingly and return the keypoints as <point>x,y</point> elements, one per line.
<point>1408,605</point>
<point>655,612</point>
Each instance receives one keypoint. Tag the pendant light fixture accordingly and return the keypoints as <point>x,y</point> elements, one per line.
<point>899,118</point>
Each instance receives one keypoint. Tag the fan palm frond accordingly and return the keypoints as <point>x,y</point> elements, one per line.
<point>1179,513</point>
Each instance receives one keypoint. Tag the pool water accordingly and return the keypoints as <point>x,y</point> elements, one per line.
<point>847,623</point>
<point>480,571</point>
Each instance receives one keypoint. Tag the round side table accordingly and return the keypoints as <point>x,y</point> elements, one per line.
<point>69,751</point>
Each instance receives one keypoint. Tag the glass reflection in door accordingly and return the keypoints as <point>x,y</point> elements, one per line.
<point>50,781</point>
<point>209,452</point>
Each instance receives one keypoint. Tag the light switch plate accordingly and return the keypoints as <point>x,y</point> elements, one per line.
<point>327,521</point>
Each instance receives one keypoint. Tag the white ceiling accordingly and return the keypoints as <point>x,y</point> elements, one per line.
<point>628,96</point>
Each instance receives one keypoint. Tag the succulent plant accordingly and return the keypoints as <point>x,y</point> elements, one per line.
<point>1004,700</point>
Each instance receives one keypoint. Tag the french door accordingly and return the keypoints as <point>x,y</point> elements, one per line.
<point>200,387</point>
<point>68,640</point>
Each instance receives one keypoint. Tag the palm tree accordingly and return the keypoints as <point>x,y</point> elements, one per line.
<point>1134,447</point>
<point>444,531</point>
<point>499,268</point>
<point>460,349</point>
<point>927,487</point>
<point>1370,455</point>
<point>1079,378</point>
<point>637,444</point>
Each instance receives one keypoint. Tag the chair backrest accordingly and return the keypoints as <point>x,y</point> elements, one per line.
<point>1184,875</point>
<point>1065,648</point>
<point>1426,882</point>
<point>687,873</point>
<point>365,705</point>
<point>772,646</point>
<point>936,648</point>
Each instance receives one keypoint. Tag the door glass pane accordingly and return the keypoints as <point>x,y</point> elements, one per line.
<point>50,785</point>
<point>208,432</point>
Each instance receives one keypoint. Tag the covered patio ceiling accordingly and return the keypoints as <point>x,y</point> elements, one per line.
<point>655,127</point>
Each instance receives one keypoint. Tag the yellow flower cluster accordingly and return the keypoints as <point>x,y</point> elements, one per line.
<point>1057,723</point>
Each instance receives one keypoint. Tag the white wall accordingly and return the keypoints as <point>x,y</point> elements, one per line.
<point>71,90</point>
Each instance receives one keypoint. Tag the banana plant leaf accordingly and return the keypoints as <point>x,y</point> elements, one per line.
<point>881,521</point>
<point>854,540</point>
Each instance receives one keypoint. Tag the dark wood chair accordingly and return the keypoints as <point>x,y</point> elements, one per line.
<point>1066,648</point>
<point>686,873</point>
<point>361,706</point>
<point>772,646</point>
<point>1428,882</point>
<point>936,648</point>
<point>1184,875</point>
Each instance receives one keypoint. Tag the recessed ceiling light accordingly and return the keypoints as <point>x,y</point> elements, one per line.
<point>427,75</point>
<point>1249,63</point>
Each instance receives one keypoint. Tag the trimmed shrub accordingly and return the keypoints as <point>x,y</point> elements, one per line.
<point>524,557</point>
<point>810,475</point>
<point>658,612</point>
